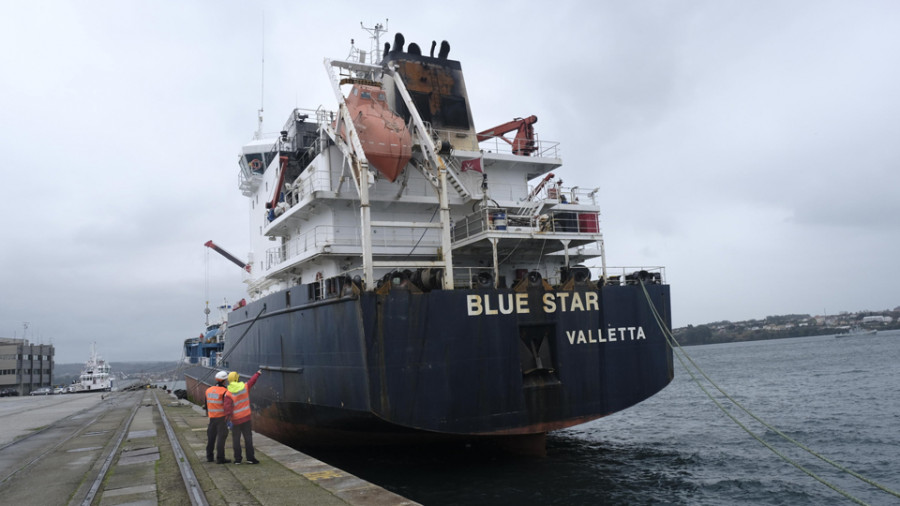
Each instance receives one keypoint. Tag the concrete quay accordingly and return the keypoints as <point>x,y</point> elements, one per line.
<point>115,448</point>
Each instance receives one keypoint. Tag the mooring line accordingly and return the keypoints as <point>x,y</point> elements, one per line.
<point>674,344</point>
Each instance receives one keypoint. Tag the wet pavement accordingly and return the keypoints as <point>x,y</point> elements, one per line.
<point>115,448</point>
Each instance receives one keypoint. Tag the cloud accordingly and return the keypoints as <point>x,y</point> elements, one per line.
<point>749,148</point>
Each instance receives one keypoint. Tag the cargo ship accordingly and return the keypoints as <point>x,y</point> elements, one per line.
<point>414,278</point>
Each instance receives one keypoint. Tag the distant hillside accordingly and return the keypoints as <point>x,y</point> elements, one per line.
<point>782,326</point>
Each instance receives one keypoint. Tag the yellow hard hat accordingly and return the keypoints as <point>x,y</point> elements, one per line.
<point>233,376</point>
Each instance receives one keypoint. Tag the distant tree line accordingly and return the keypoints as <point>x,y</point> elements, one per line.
<point>777,327</point>
<point>703,334</point>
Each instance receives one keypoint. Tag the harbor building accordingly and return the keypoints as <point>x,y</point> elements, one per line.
<point>25,367</point>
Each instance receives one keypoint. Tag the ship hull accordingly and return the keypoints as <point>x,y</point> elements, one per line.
<point>90,390</point>
<point>404,365</point>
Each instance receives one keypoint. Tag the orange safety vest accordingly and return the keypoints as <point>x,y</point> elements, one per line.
<point>215,401</point>
<point>241,400</point>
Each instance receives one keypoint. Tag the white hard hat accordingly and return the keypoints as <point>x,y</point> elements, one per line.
<point>221,376</point>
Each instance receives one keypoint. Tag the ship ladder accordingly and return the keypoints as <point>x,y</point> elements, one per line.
<point>531,208</point>
<point>682,356</point>
<point>452,165</point>
<point>453,170</point>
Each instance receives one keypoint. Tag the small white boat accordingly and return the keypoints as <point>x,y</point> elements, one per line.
<point>95,376</point>
<point>857,331</point>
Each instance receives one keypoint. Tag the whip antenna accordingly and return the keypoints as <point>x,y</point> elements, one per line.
<point>262,84</point>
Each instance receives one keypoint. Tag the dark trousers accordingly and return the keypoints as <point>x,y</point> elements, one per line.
<point>238,430</point>
<point>216,433</point>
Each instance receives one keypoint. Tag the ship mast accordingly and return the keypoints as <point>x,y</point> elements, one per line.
<point>375,31</point>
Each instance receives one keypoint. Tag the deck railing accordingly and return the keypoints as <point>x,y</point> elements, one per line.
<point>504,220</point>
<point>499,144</point>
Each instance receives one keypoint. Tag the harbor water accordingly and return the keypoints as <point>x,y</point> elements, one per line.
<point>838,397</point>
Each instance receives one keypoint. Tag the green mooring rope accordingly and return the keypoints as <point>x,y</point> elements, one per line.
<point>670,339</point>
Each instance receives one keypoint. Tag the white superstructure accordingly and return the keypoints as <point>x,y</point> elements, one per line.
<point>321,215</point>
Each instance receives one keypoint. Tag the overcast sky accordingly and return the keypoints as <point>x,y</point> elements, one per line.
<point>751,148</point>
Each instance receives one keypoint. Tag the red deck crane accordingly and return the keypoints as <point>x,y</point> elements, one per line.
<point>213,246</point>
<point>523,144</point>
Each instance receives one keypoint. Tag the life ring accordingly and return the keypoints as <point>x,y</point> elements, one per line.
<point>255,164</point>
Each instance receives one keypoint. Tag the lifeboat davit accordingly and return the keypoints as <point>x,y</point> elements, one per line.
<point>385,139</point>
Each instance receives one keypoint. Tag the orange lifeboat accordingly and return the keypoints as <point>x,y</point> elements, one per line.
<point>385,139</point>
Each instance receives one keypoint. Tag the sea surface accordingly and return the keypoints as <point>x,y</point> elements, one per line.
<point>840,397</point>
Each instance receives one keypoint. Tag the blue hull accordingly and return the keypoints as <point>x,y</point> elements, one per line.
<point>367,367</point>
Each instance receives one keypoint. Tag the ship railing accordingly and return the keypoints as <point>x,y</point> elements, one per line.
<point>248,181</point>
<point>294,192</point>
<point>297,190</point>
<point>503,220</point>
<point>558,194</point>
<point>420,187</point>
<point>274,257</point>
<point>326,239</point>
<point>499,144</point>
<point>321,114</point>
<point>631,275</point>
<point>472,224</point>
<point>474,277</point>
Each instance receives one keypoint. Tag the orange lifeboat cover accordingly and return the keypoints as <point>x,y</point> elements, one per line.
<point>385,139</point>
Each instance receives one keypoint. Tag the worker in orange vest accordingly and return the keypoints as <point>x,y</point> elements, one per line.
<point>237,412</point>
<point>217,430</point>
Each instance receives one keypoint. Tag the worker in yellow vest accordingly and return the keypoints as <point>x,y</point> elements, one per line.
<point>237,412</point>
<point>217,430</point>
